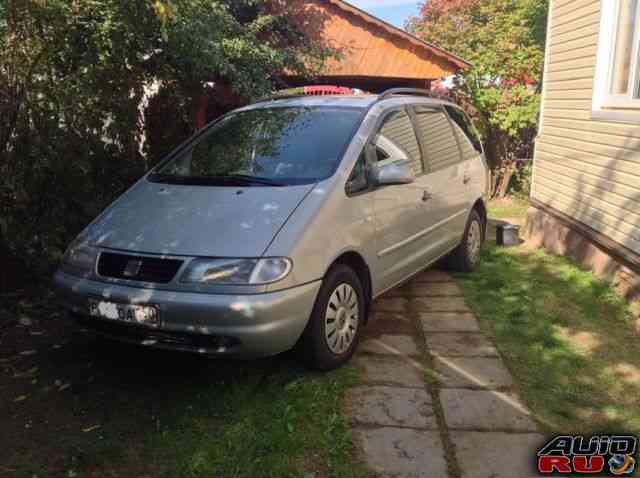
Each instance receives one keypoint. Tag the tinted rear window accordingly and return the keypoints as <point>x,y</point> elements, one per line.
<point>438,138</point>
<point>462,121</point>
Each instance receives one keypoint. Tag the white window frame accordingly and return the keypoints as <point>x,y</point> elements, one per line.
<point>605,104</point>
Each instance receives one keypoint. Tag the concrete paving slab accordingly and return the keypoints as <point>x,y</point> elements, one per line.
<point>477,372</point>
<point>438,304</point>
<point>379,326</point>
<point>376,316</point>
<point>434,289</point>
<point>496,455</point>
<point>484,410</point>
<point>426,289</point>
<point>448,322</point>
<point>390,370</point>
<point>391,406</point>
<point>433,275</point>
<point>459,344</point>
<point>390,304</point>
<point>390,345</point>
<point>403,453</point>
<point>394,293</point>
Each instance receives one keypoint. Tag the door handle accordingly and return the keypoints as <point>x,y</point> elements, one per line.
<point>466,179</point>
<point>427,196</point>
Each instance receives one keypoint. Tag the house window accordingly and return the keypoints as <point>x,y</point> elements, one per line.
<point>617,85</point>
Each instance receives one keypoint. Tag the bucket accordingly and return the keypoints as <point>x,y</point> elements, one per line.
<point>507,235</point>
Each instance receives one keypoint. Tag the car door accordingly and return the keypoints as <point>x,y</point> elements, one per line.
<point>400,210</point>
<point>445,178</point>
<point>475,172</point>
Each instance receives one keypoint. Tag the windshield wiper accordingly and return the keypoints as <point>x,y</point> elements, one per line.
<point>236,179</point>
<point>255,180</point>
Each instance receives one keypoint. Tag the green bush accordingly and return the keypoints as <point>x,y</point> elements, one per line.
<point>521,181</point>
<point>73,77</point>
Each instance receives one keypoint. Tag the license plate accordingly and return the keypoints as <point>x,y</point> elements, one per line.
<point>134,314</point>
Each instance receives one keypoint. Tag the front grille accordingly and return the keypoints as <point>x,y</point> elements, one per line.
<point>138,268</point>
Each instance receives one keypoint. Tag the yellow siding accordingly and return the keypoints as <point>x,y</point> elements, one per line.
<point>586,168</point>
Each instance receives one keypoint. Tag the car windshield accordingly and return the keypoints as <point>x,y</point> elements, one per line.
<point>266,147</point>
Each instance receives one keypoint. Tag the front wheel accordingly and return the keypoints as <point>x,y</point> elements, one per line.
<point>333,331</point>
<point>466,257</point>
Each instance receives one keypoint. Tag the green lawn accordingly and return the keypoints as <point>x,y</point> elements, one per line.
<point>79,407</point>
<point>567,338</point>
<point>287,425</point>
<point>508,208</point>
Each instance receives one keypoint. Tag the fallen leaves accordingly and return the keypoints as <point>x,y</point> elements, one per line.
<point>29,373</point>
<point>60,385</point>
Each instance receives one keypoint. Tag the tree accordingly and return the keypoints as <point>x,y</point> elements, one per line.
<point>504,40</point>
<point>74,76</point>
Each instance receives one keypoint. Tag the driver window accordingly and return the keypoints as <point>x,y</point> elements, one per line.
<point>396,141</point>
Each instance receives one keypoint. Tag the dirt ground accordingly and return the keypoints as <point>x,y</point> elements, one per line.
<point>68,398</point>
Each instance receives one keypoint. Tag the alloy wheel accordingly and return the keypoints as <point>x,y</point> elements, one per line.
<point>341,319</point>
<point>474,241</point>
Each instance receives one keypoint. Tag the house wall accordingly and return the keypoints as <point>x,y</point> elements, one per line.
<point>586,169</point>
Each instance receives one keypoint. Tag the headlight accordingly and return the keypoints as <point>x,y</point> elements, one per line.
<point>80,257</point>
<point>236,271</point>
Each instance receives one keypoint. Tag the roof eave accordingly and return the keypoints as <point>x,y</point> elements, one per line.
<point>436,50</point>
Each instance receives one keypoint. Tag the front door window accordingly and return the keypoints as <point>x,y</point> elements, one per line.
<point>396,141</point>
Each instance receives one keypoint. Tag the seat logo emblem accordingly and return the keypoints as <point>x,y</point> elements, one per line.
<point>132,268</point>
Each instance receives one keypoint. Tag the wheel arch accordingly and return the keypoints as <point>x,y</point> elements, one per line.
<point>356,262</point>
<point>480,207</point>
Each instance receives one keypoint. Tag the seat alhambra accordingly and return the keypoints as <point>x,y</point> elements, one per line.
<point>278,224</point>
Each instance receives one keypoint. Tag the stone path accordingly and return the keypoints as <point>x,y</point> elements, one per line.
<point>436,400</point>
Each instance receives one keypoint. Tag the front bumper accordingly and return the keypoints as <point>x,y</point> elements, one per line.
<point>231,325</point>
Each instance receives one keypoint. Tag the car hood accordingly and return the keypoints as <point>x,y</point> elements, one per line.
<point>196,220</point>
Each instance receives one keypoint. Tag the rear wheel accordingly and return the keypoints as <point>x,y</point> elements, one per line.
<point>466,257</point>
<point>333,331</point>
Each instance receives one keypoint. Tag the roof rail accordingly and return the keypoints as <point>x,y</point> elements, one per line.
<point>412,92</point>
<point>280,97</point>
<point>302,93</point>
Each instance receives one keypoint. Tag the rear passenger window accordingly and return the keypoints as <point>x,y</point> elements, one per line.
<point>438,138</point>
<point>396,141</point>
<point>469,140</point>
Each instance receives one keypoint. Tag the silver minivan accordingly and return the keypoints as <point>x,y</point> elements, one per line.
<point>278,224</point>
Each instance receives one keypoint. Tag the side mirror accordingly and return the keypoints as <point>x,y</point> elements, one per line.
<point>395,173</point>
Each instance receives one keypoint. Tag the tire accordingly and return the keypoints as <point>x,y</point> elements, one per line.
<point>466,257</point>
<point>329,342</point>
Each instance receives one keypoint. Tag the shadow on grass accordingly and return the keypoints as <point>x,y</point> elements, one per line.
<point>156,413</point>
<point>566,336</point>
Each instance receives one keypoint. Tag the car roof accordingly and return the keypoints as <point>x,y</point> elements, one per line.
<point>345,101</point>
